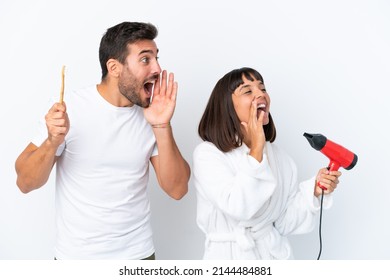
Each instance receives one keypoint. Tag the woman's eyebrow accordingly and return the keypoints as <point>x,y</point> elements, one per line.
<point>243,87</point>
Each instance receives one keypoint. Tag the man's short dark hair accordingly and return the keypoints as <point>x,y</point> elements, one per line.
<point>116,39</point>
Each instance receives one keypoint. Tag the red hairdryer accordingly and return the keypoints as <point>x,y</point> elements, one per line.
<point>338,155</point>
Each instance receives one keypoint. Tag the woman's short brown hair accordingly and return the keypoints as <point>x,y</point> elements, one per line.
<point>220,124</point>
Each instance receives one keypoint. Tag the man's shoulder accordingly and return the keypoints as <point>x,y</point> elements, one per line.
<point>78,95</point>
<point>89,89</point>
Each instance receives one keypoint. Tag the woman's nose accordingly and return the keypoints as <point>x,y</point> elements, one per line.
<point>259,94</point>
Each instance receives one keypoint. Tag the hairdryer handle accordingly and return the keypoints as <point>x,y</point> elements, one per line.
<point>333,166</point>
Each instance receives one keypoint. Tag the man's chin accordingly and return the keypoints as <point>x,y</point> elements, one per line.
<point>145,103</point>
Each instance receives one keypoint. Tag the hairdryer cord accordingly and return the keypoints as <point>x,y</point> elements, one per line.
<point>322,199</point>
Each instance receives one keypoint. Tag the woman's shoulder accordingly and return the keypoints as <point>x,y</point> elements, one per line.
<point>208,151</point>
<point>205,146</point>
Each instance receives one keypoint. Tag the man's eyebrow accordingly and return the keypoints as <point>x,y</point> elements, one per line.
<point>147,51</point>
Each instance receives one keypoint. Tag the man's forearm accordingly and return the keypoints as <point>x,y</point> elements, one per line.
<point>34,165</point>
<point>173,170</point>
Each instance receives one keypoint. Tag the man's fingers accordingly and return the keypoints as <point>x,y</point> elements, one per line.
<point>163,88</point>
<point>57,122</point>
<point>157,87</point>
<point>170,84</point>
<point>174,91</point>
<point>53,117</point>
<point>58,107</point>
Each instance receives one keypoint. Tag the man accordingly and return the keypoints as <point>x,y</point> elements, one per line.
<point>101,141</point>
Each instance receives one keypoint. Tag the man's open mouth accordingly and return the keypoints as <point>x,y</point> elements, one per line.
<point>148,87</point>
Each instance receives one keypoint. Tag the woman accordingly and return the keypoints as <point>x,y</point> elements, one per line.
<point>248,196</point>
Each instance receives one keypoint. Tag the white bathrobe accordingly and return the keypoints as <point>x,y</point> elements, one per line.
<point>246,208</point>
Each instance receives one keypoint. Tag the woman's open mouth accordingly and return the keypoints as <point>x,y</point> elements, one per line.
<point>261,107</point>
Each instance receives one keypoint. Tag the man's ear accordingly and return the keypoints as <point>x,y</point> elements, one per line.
<point>114,67</point>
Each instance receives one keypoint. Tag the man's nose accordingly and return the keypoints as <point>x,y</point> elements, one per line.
<point>156,69</point>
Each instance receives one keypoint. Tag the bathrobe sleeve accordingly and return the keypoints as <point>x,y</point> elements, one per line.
<point>300,213</point>
<point>240,190</point>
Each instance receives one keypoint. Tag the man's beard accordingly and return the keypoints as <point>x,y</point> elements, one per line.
<point>128,88</point>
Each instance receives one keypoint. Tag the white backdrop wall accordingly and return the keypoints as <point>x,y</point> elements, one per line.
<point>326,65</point>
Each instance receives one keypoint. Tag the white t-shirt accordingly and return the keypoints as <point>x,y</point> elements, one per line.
<point>102,208</point>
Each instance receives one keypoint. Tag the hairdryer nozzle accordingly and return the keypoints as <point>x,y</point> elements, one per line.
<point>317,141</point>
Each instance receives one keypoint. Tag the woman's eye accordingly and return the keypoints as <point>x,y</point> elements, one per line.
<point>248,92</point>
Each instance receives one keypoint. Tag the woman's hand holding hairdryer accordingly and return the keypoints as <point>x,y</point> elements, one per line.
<point>328,180</point>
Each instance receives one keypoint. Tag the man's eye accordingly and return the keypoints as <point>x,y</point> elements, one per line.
<point>248,92</point>
<point>145,59</point>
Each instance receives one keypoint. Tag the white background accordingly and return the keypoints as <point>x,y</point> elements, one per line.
<point>326,65</point>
